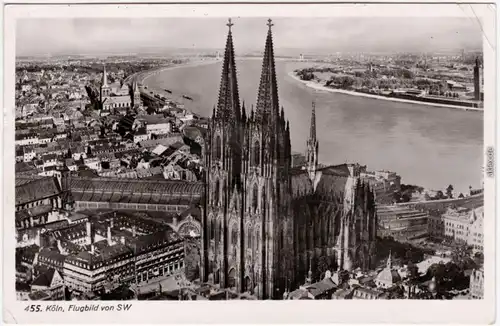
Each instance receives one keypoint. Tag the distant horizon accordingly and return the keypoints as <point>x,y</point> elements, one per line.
<point>177,52</point>
<point>42,37</point>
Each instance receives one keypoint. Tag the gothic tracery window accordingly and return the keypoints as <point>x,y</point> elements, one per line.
<point>234,236</point>
<point>219,231</point>
<point>257,240</point>
<point>212,229</point>
<point>217,153</point>
<point>256,154</point>
<point>216,193</point>
<point>249,239</point>
<point>255,198</point>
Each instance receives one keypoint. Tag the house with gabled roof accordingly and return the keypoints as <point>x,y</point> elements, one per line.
<point>50,282</point>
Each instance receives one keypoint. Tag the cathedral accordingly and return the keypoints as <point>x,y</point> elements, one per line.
<point>265,225</point>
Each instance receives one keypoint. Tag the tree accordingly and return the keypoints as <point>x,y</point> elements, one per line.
<point>396,197</point>
<point>452,271</point>
<point>461,256</point>
<point>405,197</point>
<point>407,74</point>
<point>408,255</point>
<point>439,195</point>
<point>368,83</point>
<point>305,74</point>
<point>436,270</point>
<point>449,191</point>
<point>454,277</point>
<point>412,271</point>
<point>479,258</point>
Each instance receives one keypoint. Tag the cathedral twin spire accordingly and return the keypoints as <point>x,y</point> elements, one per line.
<point>228,106</point>
<point>267,113</point>
<point>267,98</point>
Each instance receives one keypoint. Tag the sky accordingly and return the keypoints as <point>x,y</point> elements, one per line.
<point>79,36</point>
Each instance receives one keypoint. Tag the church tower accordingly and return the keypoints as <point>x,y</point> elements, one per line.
<point>247,227</point>
<point>222,153</point>
<point>136,100</point>
<point>266,169</point>
<point>105,89</point>
<point>312,147</point>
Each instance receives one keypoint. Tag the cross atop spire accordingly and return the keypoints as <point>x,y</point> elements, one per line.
<point>270,23</point>
<point>229,23</point>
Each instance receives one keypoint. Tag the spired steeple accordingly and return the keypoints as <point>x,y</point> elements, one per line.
<point>136,98</point>
<point>105,89</point>
<point>312,130</point>
<point>228,106</point>
<point>312,147</point>
<point>267,99</point>
<point>104,77</point>
<point>389,261</point>
<point>226,128</point>
<point>272,124</point>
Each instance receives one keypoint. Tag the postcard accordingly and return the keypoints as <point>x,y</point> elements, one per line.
<point>160,157</point>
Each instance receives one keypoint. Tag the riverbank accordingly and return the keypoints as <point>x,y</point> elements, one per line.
<point>176,97</point>
<point>142,79</point>
<point>318,87</point>
<point>358,128</point>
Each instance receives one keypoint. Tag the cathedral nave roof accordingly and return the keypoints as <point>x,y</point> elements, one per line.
<point>32,189</point>
<point>332,181</point>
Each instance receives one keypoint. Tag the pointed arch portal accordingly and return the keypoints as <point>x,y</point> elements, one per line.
<point>231,280</point>
<point>248,284</point>
<point>217,277</point>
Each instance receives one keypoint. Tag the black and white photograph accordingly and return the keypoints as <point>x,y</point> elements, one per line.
<point>263,157</point>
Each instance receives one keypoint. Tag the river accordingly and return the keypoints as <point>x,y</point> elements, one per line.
<point>429,146</point>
